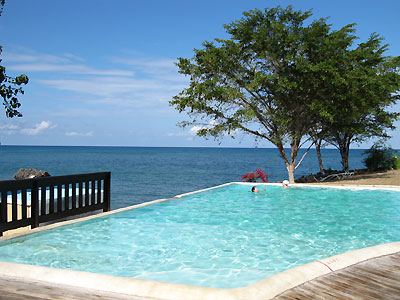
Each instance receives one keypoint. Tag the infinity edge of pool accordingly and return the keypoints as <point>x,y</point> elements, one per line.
<point>264,289</point>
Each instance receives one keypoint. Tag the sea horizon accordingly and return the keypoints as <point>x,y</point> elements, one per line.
<point>225,147</point>
<point>142,173</point>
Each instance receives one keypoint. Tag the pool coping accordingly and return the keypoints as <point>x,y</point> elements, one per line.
<point>266,288</point>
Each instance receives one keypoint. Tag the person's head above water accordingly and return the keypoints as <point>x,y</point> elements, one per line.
<point>285,184</point>
<point>254,189</point>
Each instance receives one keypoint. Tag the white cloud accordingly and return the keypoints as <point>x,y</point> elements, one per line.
<point>158,66</point>
<point>38,128</point>
<point>25,55</point>
<point>196,128</point>
<point>130,82</point>
<point>8,129</point>
<point>74,133</point>
<point>177,133</point>
<point>29,61</point>
<point>114,87</point>
<point>73,56</point>
<point>73,86</point>
<point>64,68</point>
<point>193,130</point>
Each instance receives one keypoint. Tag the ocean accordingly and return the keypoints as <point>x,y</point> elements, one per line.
<point>140,174</point>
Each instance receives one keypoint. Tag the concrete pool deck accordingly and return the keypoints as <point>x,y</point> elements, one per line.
<point>267,288</point>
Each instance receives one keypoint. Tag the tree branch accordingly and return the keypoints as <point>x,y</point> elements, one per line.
<point>304,155</point>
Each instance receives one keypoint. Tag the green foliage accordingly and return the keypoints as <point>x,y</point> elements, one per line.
<point>396,161</point>
<point>279,76</point>
<point>365,84</point>
<point>10,87</point>
<point>2,2</point>
<point>257,77</point>
<point>266,80</point>
<point>381,158</point>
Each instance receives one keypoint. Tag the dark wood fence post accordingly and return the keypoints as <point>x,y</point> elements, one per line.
<point>107,192</point>
<point>3,211</point>
<point>35,204</point>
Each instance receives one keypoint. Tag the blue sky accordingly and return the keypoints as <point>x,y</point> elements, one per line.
<point>102,72</point>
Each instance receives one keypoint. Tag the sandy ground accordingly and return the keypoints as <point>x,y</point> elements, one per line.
<point>380,178</point>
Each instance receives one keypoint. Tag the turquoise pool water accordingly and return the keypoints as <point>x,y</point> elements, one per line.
<point>225,238</point>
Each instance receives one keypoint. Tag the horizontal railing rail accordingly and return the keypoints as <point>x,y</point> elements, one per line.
<point>29,202</point>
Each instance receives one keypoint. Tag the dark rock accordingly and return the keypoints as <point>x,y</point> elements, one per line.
<point>306,179</point>
<point>30,173</point>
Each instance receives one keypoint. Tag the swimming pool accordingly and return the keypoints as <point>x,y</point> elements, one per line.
<point>223,238</point>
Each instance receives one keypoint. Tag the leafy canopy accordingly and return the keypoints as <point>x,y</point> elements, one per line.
<point>10,87</point>
<point>365,85</point>
<point>265,80</point>
<point>280,76</point>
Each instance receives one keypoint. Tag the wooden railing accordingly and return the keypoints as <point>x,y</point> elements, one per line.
<point>29,202</point>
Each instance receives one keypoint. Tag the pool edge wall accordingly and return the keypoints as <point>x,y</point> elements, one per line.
<point>264,289</point>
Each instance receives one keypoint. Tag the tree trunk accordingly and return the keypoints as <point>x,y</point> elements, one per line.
<point>321,165</point>
<point>317,138</point>
<point>290,169</point>
<point>344,153</point>
<point>290,165</point>
<point>342,142</point>
<point>344,148</point>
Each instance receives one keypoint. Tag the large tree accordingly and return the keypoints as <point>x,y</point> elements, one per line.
<point>265,80</point>
<point>365,84</point>
<point>10,86</point>
<point>333,55</point>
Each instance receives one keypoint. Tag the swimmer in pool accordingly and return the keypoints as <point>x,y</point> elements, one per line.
<point>254,189</point>
<point>285,184</point>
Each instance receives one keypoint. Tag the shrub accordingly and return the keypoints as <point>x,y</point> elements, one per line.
<point>396,161</point>
<point>252,177</point>
<point>381,158</point>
